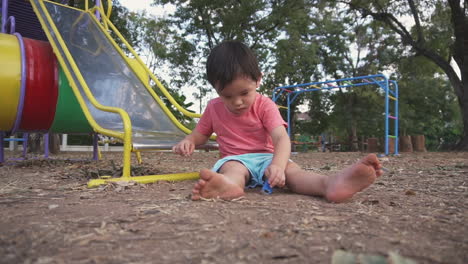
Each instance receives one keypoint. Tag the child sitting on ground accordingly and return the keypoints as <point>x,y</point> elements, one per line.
<point>253,142</point>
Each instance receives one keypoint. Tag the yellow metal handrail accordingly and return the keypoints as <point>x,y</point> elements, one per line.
<point>109,8</point>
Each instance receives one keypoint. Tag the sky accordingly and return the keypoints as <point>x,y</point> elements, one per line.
<point>136,5</point>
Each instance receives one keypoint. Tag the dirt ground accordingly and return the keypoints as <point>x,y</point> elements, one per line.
<point>418,209</point>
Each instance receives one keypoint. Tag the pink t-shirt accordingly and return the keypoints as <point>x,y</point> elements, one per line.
<point>245,133</point>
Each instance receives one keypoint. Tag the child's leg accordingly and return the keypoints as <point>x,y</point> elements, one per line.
<point>228,184</point>
<point>336,188</point>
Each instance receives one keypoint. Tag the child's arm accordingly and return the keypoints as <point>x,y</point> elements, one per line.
<point>186,146</point>
<point>282,144</point>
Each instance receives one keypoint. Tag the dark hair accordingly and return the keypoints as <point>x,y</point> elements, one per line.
<point>230,60</point>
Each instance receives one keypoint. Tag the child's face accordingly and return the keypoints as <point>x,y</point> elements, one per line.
<point>239,95</point>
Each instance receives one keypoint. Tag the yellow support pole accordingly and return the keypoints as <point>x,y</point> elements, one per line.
<point>109,8</point>
<point>99,153</point>
<point>138,156</point>
<point>147,179</point>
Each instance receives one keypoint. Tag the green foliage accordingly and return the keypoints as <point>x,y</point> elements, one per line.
<point>129,24</point>
<point>200,25</point>
<point>362,108</point>
<point>320,106</point>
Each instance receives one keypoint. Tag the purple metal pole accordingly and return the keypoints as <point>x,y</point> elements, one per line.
<point>95,147</point>
<point>25,144</point>
<point>2,159</point>
<point>19,111</point>
<point>46,145</point>
<point>98,15</point>
<point>4,15</point>
<point>12,21</point>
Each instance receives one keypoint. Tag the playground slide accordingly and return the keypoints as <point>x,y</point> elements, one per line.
<point>116,101</point>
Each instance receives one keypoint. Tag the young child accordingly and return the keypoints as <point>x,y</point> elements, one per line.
<point>252,138</point>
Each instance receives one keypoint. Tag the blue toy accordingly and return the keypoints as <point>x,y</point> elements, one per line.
<point>266,188</point>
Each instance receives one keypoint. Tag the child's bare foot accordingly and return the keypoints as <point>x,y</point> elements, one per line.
<point>354,179</point>
<point>215,185</point>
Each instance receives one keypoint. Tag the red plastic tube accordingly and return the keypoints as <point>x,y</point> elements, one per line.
<point>41,86</point>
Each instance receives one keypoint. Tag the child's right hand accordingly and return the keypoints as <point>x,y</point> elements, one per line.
<point>184,147</point>
<point>275,175</point>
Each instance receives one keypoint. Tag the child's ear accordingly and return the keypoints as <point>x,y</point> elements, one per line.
<point>259,81</point>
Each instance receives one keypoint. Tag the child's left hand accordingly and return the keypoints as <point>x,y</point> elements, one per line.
<point>275,176</point>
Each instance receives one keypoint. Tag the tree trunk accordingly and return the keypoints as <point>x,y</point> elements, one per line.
<point>352,121</point>
<point>354,138</point>
<point>419,143</point>
<point>372,145</point>
<point>391,145</point>
<point>34,142</point>
<point>459,21</point>
<point>463,143</point>
<point>54,143</point>
<point>406,144</point>
<point>362,144</point>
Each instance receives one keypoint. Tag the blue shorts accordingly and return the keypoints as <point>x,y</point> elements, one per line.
<point>256,163</point>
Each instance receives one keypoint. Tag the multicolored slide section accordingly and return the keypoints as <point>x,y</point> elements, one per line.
<point>36,95</point>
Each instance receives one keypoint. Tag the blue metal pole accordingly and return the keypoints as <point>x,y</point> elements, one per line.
<point>289,115</point>
<point>273,96</point>
<point>386,116</point>
<point>397,120</point>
